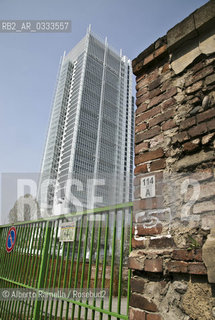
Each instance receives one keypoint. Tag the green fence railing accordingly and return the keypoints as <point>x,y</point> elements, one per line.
<point>85,269</point>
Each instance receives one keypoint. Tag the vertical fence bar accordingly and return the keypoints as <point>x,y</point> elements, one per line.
<point>129,271</point>
<point>48,261</point>
<point>90,266</point>
<point>42,270</point>
<point>65,275</point>
<point>59,278</point>
<point>97,266</point>
<point>71,266</point>
<point>83,264</point>
<point>34,240</point>
<point>121,263</point>
<point>104,263</point>
<point>112,264</point>
<point>52,265</point>
<point>55,278</point>
<point>77,263</point>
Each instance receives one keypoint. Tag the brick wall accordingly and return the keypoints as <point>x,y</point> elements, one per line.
<point>174,209</point>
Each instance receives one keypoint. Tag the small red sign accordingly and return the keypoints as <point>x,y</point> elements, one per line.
<point>11,239</point>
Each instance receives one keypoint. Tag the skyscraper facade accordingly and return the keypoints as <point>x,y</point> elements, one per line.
<point>88,157</point>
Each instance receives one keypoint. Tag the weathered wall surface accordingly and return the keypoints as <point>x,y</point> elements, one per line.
<point>174,209</point>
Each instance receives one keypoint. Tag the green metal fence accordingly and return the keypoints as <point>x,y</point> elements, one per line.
<point>94,262</point>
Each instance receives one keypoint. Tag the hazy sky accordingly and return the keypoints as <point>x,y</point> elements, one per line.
<point>29,62</point>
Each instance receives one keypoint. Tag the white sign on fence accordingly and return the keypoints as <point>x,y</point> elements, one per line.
<point>67,231</point>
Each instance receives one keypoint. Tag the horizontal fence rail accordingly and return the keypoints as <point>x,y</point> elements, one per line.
<point>68,267</point>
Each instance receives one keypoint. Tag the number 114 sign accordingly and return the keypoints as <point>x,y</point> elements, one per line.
<point>147,187</point>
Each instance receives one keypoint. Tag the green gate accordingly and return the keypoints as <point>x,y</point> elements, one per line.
<point>81,274</point>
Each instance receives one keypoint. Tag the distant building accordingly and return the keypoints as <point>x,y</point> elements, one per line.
<point>91,130</point>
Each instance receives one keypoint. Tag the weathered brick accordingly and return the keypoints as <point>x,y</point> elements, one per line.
<point>141,99</point>
<point>198,130</point>
<point>156,100</point>
<point>197,268</point>
<point>180,137</point>
<point>138,301</point>
<point>187,255</point>
<point>168,125</point>
<point>153,316</point>
<point>148,59</point>
<point>139,78</point>
<point>141,127</point>
<point>162,117</point>
<point>154,84</point>
<point>168,103</point>
<point>139,244</point>
<point>202,174</point>
<point>195,87</point>
<point>147,115</point>
<point>141,91</point>
<point>150,203</point>
<point>135,264</point>
<point>144,80</point>
<point>197,254</point>
<point>136,314</point>
<point>210,79</point>
<point>188,123</point>
<point>160,51</point>
<point>147,134</point>
<point>166,67</point>
<point>141,108</point>
<point>207,190</point>
<point>141,169</point>
<point>137,284</point>
<point>154,93</point>
<point>205,206</point>
<point>206,115</point>
<point>153,265</point>
<point>151,155</point>
<point>177,266</point>
<point>143,146</point>
<point>199,75</point>
<point>158,165</point>
<point>198,66</point>
<point>143,231</point>
<point>164,242</point>
<point>191,146</point>
<point>211,125</point>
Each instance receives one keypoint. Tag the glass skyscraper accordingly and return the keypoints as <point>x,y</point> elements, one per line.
<point>88,157</point>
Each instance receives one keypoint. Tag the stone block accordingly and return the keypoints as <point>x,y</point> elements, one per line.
<point>205,206</point>
<point>208,255</point>
<point>181,32</point>
<point>204,14</point>
<point>193,160</point>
